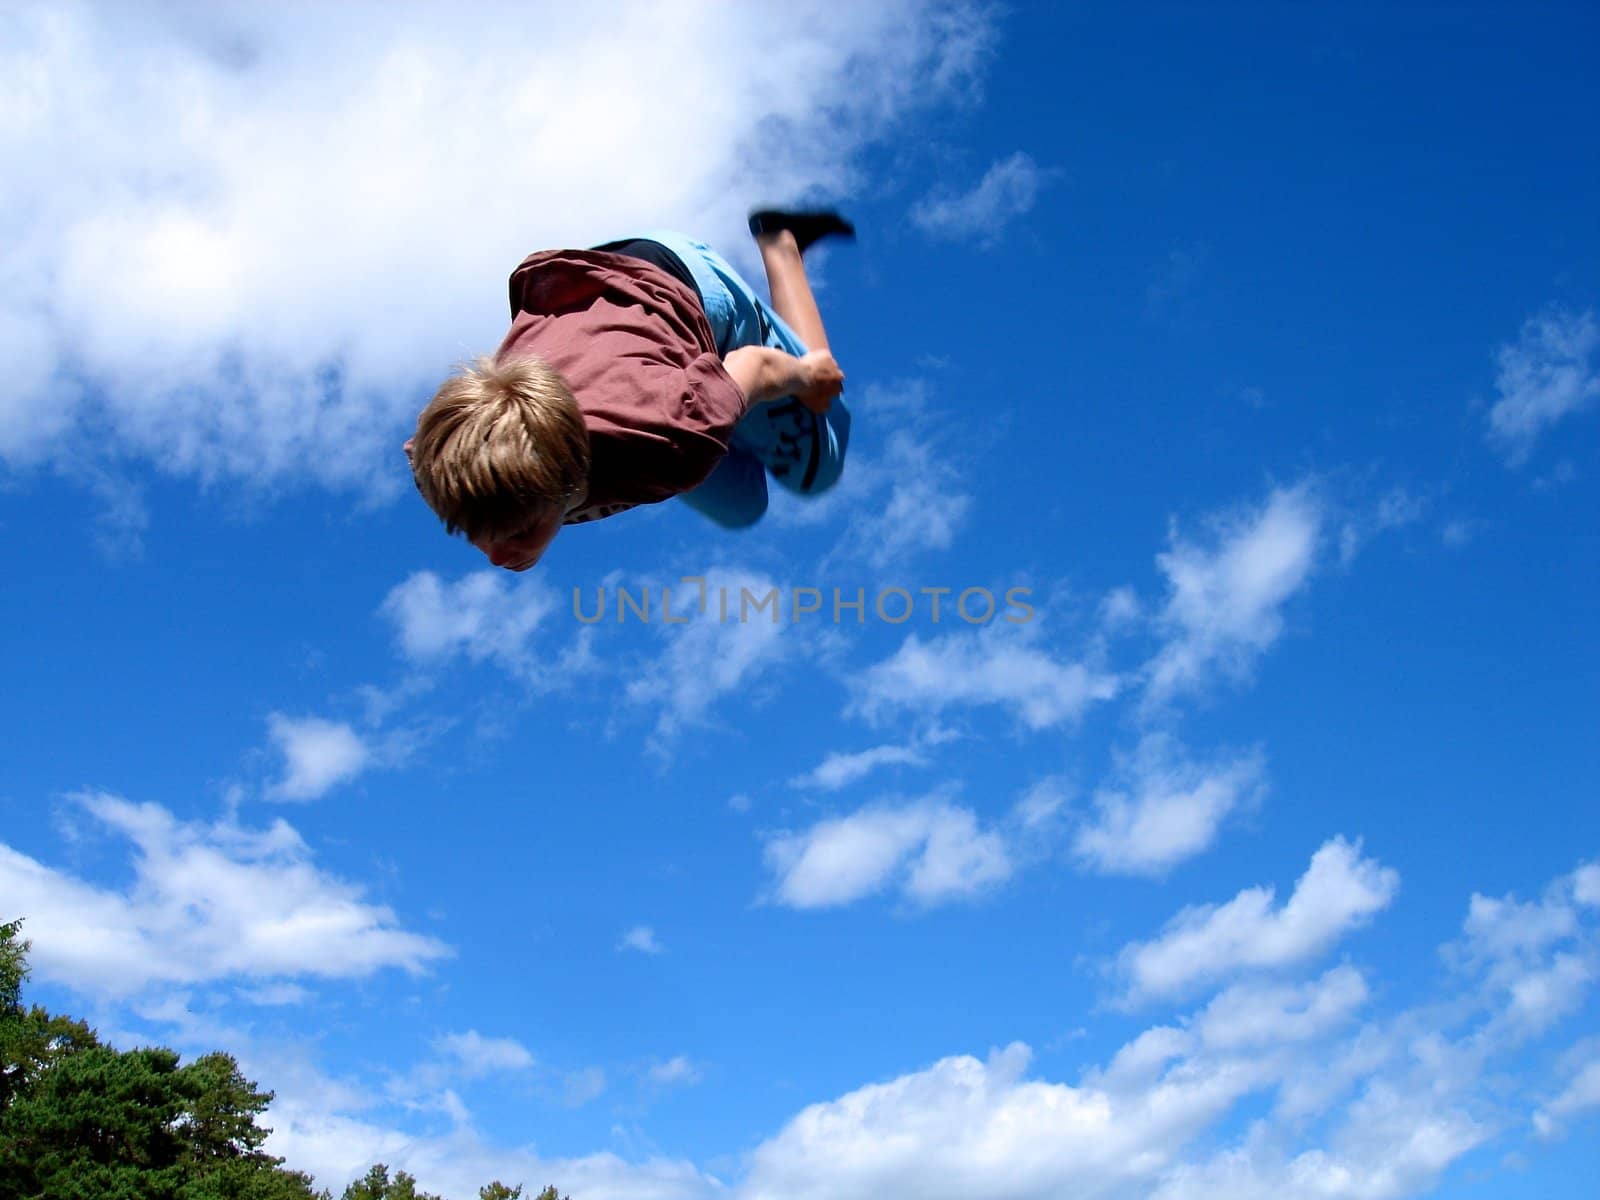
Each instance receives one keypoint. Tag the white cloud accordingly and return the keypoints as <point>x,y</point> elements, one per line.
<point>484,616</point>
<point>1162,808</point>
<point>333,1140</point>
<point>205,903</point>
<point>1508,928</point>
<point>1457,533</point>
<point>1140,1062</point>
<point>248,251</point>
<point>909,501</point>
<point>1586,885</point>
<point>1339,891</point>
<point>1580,1095</point>
<point>1225,600</point>
<point>472,1055</point>
<point>1393,1144</point>
<point>931,850</point>
<point>893,505</point>
<point>980,1129</point>
<point>123,516</point>
<point>1272,1088</point>
<point>583,1085</point>
<point>1119,609</point>
<point>675,1071</point>
<point>274,994</point>
<point>984,1131</point>
<point>710,657</point>
<point>317,755</point>
<point>1041,807</point>
<point>989,665</point>
<point>1547,375</point>
<point>1007,191</point>
<point>1395,509</point>
<point>643,939</point>
<point>1541,997</point>
<point>1535,955</point>
<point>841,770</point>
<point>1265,1014</point>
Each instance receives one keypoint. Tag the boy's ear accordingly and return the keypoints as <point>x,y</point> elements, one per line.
<point>407,448</point>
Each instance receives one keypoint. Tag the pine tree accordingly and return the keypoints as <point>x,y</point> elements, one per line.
<point>82,1121</point>
<point>376,1185</point>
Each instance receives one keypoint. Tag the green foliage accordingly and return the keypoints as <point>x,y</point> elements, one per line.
<point>30,1039</point>
<point>499,1191</point>
<point>13,967</point>
<point>96,1123</point>
<point>83,1121</point>
<point>377,1185</point>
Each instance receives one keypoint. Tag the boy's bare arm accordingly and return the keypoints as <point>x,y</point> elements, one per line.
<point>765,374</point>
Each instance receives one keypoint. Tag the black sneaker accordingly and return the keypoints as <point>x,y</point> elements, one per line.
<point>807,227</point>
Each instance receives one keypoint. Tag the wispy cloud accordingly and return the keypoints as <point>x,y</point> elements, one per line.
<point>709,658</point>
<point>1395,509</point>
<point>1161,808</point>
<point>643,939</point>
<point>839,770</point>
<point>675,1072</point>
<point>317,755</point>
<point>483,617</point>
<point>275,994</point>
<point>1225,598</point>
<point>1525,950</point>
<point>472,1055</point>
<point>915,501</point>
<point>1545,376</point>
<point>992,665</point>
<point>583,1085</point>
<point>1167,298</point>
<point>1008,190</point>
<point>204,903</point>
<point>1331,1099</point>
<point>1579,1096</point>
<point>908,498</point>
<point>1251,1015</point>
<point>1339,891</point>
<point>931,851</point>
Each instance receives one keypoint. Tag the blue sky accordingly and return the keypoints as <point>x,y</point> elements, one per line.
<point>1260,345</point>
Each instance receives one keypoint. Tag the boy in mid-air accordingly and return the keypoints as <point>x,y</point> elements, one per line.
<point>634,372</point>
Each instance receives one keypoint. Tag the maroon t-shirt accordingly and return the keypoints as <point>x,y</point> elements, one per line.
<point>634,345</point>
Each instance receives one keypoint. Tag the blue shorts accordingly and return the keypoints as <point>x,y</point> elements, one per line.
<point>802,450</point>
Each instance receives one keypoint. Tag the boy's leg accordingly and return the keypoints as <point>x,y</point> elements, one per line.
<point>803,451</point>
<point>791,290</point>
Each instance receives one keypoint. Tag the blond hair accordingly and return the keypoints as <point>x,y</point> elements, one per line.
<point>498,443</point>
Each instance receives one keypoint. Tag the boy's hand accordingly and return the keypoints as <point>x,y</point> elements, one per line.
<point>821,380</point>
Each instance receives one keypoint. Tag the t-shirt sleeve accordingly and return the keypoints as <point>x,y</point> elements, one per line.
<point>701,404</point>
<point>671,438</point>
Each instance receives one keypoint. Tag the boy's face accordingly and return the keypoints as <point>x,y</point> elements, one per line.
<point>521,551</point>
